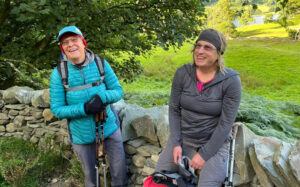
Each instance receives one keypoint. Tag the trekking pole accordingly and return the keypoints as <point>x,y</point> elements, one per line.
<point>229,178</point>
<point>97,119</point>
<point>102,119</point>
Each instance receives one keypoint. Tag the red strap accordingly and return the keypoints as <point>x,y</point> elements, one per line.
<point>149,183</point>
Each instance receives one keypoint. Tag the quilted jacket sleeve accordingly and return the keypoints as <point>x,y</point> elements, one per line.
<point>58,103</point>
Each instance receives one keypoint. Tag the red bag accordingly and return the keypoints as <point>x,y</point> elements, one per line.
<point>149,183</point>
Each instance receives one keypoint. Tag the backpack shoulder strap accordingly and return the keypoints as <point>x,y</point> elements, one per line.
<point>62,68</point>
<point>100,65</point>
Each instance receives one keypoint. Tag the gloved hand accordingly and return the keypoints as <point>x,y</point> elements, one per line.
<point>94,105</point>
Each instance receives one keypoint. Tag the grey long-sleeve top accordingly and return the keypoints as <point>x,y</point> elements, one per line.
<point>203,119</point>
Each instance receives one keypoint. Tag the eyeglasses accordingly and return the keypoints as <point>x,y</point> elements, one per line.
<point>205,47</point>
<point>66,42</point>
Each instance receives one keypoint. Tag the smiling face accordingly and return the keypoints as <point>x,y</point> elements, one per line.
<point>74,48</point>
<point>205,55</point>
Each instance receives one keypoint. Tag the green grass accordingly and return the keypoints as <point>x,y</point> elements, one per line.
<point>22,164</point>
<point>269,68</point>
<point>269,30</point>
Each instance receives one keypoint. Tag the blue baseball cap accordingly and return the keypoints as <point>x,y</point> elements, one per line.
<point>72,29</point>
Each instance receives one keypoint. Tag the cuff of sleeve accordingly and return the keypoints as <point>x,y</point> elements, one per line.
<point>176,143</point>
<point>203,154</point>
<point>83,110</point>
<point>102,97</point>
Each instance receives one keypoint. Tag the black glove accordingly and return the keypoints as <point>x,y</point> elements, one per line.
<point>94,105</point>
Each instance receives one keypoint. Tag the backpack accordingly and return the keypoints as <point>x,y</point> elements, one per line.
<point>184,178</point>
<point>62,67</point>
<point>167,179</point>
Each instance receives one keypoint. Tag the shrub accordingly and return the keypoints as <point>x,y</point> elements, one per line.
<point>269,118</point>
<point>76,170</point>
<point>147,99</point>
<point>292,33</point>
<point>269,18</point>
<point>22,164</point>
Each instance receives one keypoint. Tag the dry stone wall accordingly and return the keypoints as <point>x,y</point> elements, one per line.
<point>260,161</point>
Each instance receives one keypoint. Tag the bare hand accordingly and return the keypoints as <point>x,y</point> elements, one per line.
<point>197,162</point>
<point>177,154</point>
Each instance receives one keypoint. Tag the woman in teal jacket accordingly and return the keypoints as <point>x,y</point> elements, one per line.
<point>82,99</point>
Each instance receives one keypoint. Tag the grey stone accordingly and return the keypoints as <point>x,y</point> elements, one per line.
<point>244,171</point>
<point>63,132</point>
<point>119,105</point>
<point>136,142</point>
<point>294,161</point>
<point>67,140</point>
<point>265,149</point>
<point>3,116</point>
<point>138,160</point>
<point>57,124</point>
<point>38,101</point>
<point>147,171</point>
<point>140,180</point>
<point>131,112</point>
<point>2,129</point>
<point>29,118</point>
<point>64,124</point>
<point>11,127</point>
<point>148,150</point>
<point>37,114</point>
<point>4,119</point>
<point>155,158</point>
<point>18,134</point>
<point>19,121</point>
<point>129,149</point>
<point>34,140</point>
<point>46,97</point>
<point>1,104</point>
<point>10,94</point>
<point>150,163</point>
<point>48,116</point>
<point>34,125</point>
<point>13,112</point>
<point>260,172</point>
<point>24,95</point>
<point>8,134</point>
<point>133,169</point>
<point>53,129</point>
<point>15,107</point>
<point>163,129</point>
<point>281,164</point>
<point>40,132</point>
<point>25,112</point>
<point>144,127</point>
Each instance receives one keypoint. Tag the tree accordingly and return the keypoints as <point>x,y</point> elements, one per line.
<point>246,15</point>
<point>221,16</point>
<point>111,28</point>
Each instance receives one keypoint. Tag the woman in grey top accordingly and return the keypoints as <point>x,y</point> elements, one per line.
<point>204,101</point>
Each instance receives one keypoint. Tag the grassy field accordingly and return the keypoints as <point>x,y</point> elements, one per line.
<point>268,67</point>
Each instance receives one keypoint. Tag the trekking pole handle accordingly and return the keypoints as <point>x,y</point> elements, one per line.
<point>235,129</point>
<point>97,117</point>
<point>101,116</point>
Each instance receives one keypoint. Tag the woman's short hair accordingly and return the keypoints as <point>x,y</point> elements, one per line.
<point>222,48</point>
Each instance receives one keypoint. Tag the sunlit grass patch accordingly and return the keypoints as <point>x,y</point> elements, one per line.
<point>269,30</point>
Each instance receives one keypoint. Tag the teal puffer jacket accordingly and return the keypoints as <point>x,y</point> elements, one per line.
<point>82,126</point>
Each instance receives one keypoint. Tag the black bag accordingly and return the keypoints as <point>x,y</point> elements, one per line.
<point>170,179</point>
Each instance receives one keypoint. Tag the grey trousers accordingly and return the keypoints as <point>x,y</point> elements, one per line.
<point>116,158</point>
<point>213,172</point>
